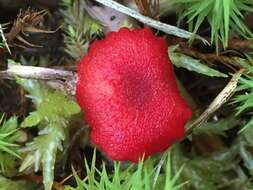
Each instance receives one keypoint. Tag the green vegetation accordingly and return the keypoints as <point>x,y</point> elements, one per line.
<point>44,139</point>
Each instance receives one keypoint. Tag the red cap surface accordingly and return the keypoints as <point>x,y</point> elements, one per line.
<point>127,90</point>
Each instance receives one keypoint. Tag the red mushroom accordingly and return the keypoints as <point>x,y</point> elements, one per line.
<point>128,92</point>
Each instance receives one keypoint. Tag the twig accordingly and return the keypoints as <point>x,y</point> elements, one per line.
<point>58,79</point>
<point>210,57</point>
<point>31,72</point>
<point>240,44</point>
<point>4,39</point>
<point>169,29</point>
<point>222,98</point>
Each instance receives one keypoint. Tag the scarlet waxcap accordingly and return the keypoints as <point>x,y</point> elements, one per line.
<point>127,90</point>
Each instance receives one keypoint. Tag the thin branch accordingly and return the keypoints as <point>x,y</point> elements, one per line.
<point>222,98</point>
<point>240,44</point>
<point>169,29</point>
<point>4,39</point>
<point>38,73</point>
<point>55,78</point>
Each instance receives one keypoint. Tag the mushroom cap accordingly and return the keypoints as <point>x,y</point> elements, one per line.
<point>127,89</point>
